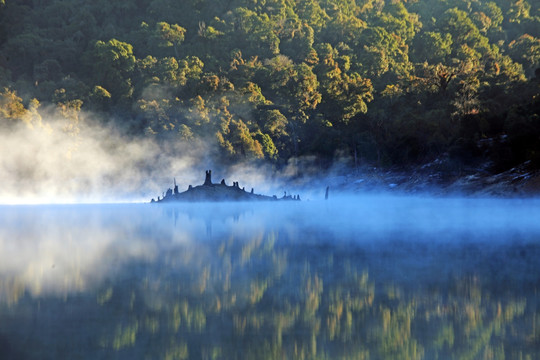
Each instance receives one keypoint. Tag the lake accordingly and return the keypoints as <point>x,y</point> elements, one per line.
<point>366,277</point>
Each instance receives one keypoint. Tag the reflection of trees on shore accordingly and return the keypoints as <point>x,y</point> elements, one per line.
<point>257,297</point>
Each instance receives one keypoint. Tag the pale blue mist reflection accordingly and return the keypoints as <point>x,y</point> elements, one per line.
<point>359,277</point>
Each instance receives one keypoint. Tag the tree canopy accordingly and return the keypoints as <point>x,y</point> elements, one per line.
<point>386,82</point>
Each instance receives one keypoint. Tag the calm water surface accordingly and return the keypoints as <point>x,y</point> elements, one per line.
<point>357,278</point>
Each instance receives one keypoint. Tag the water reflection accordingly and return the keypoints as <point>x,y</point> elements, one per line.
<point>367,278</point>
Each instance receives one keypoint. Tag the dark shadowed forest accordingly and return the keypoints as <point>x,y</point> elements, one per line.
<point>390,83</point>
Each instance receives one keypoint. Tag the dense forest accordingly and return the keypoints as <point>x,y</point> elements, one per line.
<point>385,82</point>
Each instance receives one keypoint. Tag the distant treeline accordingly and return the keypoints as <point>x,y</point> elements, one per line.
<point>387,82</point>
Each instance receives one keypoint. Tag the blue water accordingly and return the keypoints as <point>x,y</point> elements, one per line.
<point>357,278</point>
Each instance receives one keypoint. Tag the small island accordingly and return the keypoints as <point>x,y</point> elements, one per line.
<point>221,192</point>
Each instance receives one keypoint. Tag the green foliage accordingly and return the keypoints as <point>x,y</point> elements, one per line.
<point>519,10</point>
<point>328,68</point>
<point>433,47</point>
<point>345,95</point>
<point>526,51</point>
<point>494,13</point>
<point>169,35</point>
<point>274,123</point>
<point>268,148</point>
<point>113,63</point>
<point>11,106</point>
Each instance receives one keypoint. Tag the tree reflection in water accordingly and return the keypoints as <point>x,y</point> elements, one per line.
<point>229,282</point>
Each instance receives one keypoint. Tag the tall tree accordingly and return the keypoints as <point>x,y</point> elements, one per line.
<point>113,63</point>
<point>170,36</point>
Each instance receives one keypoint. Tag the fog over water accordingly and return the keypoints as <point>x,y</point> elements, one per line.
<point>57,161</point>
<point>91,163</point>
<point>102,281</point>
<point>69,247</point>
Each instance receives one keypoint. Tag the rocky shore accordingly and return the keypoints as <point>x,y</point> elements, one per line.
<point>435,179</point>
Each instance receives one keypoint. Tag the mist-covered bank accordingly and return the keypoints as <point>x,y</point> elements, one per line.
<point>99,164</point>
<point>434,179</point>
<point>364,277</point>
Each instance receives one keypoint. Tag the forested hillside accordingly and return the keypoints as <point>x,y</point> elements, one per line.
<point>385,82</point>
